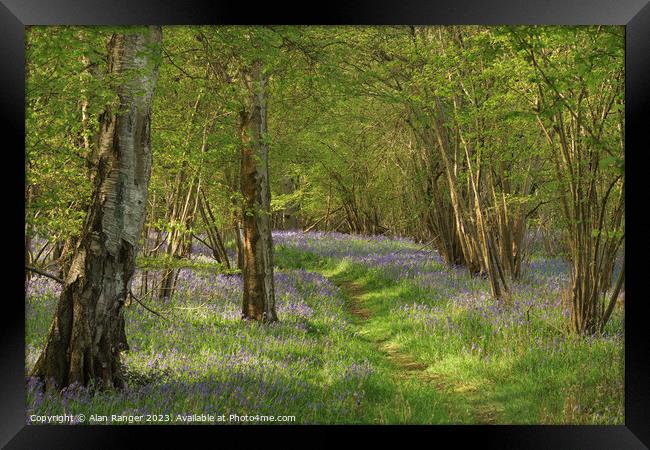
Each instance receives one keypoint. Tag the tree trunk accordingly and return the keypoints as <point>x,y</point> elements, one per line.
<point>259,296</point>
<point>28,232</point>
<point>87,333</point>
<point>181,212</point>
<point>289,213</point>
<point>213,234</point>
<point>239,241</point>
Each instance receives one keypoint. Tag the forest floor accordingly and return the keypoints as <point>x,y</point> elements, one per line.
<point>405,367</point>
<point>372,330</point>
<point>440,332</point>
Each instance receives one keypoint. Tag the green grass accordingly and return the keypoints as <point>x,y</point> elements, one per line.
<point>514,378</point>
<point>200,362</point>
<point>421,356</point>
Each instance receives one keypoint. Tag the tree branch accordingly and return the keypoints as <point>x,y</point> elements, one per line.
<point>145,306</point>
<point>44,273</point>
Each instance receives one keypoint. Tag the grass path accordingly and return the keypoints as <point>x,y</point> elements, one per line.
<point>402,340</point>
<point>462,401</point>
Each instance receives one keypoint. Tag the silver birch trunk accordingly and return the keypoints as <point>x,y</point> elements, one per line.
<point>87,333</point>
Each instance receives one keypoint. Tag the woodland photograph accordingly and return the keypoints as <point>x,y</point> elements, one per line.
<point>324,225</point>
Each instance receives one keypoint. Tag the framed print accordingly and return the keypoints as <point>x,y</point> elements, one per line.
<point>395,217</point>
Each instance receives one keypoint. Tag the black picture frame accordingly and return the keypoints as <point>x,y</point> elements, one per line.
<point>633,14</point>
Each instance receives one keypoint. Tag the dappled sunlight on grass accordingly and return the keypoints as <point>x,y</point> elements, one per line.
<point>515,360</point>
<point>361,339</point>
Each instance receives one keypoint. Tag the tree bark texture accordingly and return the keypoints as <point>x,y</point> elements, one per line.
<point>259,294</point>
<point>87,333</point>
